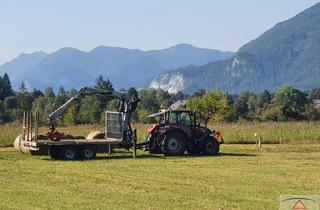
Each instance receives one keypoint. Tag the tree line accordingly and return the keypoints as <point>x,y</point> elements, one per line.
<point>286,104</point>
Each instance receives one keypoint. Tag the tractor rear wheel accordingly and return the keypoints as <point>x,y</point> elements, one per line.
<point>211,146</point>
<point>174,144</point>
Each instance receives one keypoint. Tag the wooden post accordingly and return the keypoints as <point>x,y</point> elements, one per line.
<point>36,127</point>
<point>24,125</point>
<point>255,134</point>
<point>260,143</point>
<point>27,123</point>
<point>31,118</point>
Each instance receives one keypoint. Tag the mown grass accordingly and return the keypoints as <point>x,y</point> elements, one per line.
<point>269,132</point>
<point>241,177</point>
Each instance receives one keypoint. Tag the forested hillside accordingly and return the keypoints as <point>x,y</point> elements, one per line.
<point>285,104</point>
<point>287,54</point>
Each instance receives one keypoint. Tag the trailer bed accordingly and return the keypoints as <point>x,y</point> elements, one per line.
<point>33,145</point>
<point>79,142</point>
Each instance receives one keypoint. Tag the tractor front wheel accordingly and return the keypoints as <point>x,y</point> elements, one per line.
<point>174,144</point>
<point>211,146</point>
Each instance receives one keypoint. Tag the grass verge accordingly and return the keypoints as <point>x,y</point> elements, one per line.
<point>241,177</point>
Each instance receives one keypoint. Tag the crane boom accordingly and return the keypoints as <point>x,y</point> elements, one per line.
<point>128,104</point>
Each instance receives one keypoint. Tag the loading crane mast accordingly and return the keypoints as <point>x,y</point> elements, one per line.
<point>128,104</point>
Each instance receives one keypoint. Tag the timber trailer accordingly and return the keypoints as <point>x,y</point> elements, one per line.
<point>118,131</point>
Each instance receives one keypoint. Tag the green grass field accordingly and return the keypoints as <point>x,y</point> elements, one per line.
<point>241,177</point>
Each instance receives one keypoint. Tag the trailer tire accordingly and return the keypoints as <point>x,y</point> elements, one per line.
<point>69,153</point>
<point>54,152</point>
<point>88,152</point>
<point>210,146</point>
<point>174,144</point>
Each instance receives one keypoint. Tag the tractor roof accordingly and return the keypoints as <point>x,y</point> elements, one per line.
<point>162,112</point>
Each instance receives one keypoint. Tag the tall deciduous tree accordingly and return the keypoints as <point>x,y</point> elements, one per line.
<point>292,102</point>
<point>264,99</point>
<point>241,105</point>
<point>210,106</point>
<point>90,110</point>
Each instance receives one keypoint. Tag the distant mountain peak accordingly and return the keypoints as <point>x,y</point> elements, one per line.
<point>73,68</point>
<point>182,46</point>
<point>38,53</point>
<point>287,54</point>
<point>66,50</point>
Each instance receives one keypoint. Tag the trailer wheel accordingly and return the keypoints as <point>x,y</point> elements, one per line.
<point>174,144</point>
<point>211,146</point>
<point>88,152</point>
<point>54,152</point>
<point>69,153</point>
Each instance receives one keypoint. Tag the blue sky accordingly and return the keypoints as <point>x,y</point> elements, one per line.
<point>34,25</point>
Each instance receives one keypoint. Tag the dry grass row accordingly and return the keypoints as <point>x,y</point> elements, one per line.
<point>269,132</point>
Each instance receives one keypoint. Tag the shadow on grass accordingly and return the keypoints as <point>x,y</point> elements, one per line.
<point>128,155</point>
<point>237,154</point>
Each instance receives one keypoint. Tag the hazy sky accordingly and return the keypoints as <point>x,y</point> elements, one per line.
<point>47,25</point>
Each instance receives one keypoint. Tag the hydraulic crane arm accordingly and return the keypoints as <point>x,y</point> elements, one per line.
<point>86,91</point>
<point>128,103</point>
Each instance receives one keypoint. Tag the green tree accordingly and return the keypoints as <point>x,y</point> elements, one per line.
<point>22,87</point>
<point>90,110</point>
<point>311,112</point>
<point>48,92</point>
<point>149,101</point>
<point>36,93</point>
<point>210,106</point>
<point>272,113</point>
<point>241,106</point>
<point>7,86</point>
<point>10,102</point>
<point>44,105</point>
<point>70,116</point>
<point>252,106</point>
<point>24,101</point>
<point>103,84</point>
<point>264,99</point>
<point>292,102</point>
<point>61,97</point>
<point>2,89</point>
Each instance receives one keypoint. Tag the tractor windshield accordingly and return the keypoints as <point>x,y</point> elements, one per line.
<point>184,119</point>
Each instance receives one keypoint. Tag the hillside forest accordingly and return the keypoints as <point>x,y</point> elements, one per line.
<point>286,104</point>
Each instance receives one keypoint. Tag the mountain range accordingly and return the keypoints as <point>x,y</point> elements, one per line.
<point>73,68</point>
<point>287,54</point>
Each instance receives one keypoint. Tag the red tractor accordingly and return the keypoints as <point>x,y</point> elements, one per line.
<point>178,132</point>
